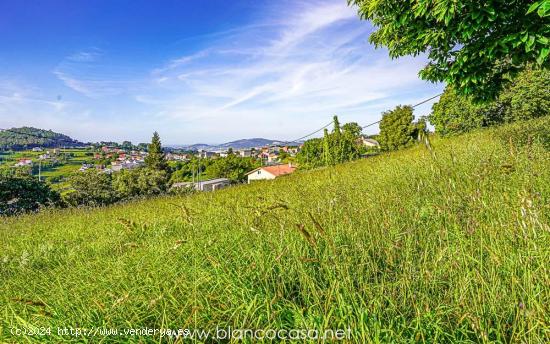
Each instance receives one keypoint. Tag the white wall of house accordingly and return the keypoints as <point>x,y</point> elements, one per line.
<point>260,175</point>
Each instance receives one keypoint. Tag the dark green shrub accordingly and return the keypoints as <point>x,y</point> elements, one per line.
<point>25,194</point>
<point>91,188</point>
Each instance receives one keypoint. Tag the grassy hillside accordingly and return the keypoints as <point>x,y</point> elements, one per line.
<point>419,245</point>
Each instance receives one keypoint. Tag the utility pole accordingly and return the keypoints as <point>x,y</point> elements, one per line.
<point>199,172</point>
<point>192,173</point>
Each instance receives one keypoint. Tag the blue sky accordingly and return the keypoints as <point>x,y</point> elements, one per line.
<point>195,71</point>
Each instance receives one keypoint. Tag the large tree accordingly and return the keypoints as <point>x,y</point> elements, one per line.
<point>155,158</point>
<point>474,46</point>
<point>91,188</point>
<point>396,128</point>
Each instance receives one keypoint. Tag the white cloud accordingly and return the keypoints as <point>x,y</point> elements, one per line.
<point>279,76</point>
<point>88,55</point>
<point>283,77</point>
<point>89,73</point>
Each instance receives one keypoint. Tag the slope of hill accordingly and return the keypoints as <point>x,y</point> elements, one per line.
<point>249,143</point>
<point>441,245</point>
<point>29,137</point>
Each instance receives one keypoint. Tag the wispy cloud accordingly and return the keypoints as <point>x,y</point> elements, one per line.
<point>279,75</point>
<point>89,72</point>
<point>89,55</point>
<point>15,94</point>
<point>285,76</point>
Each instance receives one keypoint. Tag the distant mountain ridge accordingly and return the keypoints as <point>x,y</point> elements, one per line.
<point>29,137</point>
<point>237,144</point>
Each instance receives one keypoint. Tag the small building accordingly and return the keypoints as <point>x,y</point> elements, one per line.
<point>368,142</point>
<point>213,184</point>
<point>204,185</point>
<point>272,157</point>
<point>23,162</point>
<point>205,154</point>
<point>245,153</point>
<point>37,149</point>
<point>85,167</point>
<point>125,165</point>
<point>270,172</point>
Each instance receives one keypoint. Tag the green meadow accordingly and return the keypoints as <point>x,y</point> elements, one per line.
<point>56,175</point>
<point>442,242</point>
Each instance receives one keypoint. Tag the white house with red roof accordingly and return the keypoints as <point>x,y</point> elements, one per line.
<point>270,172</point>
<point>23,162</point>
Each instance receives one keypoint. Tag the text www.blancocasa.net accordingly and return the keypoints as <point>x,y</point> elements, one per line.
<point>218,333</point>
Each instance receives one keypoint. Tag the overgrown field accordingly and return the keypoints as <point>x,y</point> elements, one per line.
<point>441,245</point>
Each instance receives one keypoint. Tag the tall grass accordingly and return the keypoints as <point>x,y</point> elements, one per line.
<point>448,245</point>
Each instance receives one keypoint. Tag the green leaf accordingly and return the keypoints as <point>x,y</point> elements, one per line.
<point>543,55</point>
<point>544,9</point>
<point>530,43</point>
<point>533,7</point>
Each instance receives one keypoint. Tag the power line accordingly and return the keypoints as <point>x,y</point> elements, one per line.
<point>414,106</point>
<point>427,100</point>
<point>315,132</point>
<point>366,126</point>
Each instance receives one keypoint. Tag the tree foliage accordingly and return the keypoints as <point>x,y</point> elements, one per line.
<point>396,128</point>
<point>231,167</point>
<point>528,96</point>
<point>525,98</point>
<point>91,188</point>
<point>156,158</point>
<point>140,182</point>
<point>474,46</point>
<point>311,154</point>
<point>25,194</point>
<point>339,146</point>
<point>186,171</point>
<point>29,137</point>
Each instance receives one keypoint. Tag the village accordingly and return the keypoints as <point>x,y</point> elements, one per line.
<point>274,160</point>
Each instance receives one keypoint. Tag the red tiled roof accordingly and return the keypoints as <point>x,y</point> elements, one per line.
<point>279,170</point>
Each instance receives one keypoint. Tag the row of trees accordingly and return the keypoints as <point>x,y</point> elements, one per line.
<point>397,130</point>
<point>526,97</point>
<point>126,145</point>
<point>338,146</point>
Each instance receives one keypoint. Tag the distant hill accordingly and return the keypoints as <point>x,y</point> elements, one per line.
<point>238,144</point>
<point>29,137</point>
